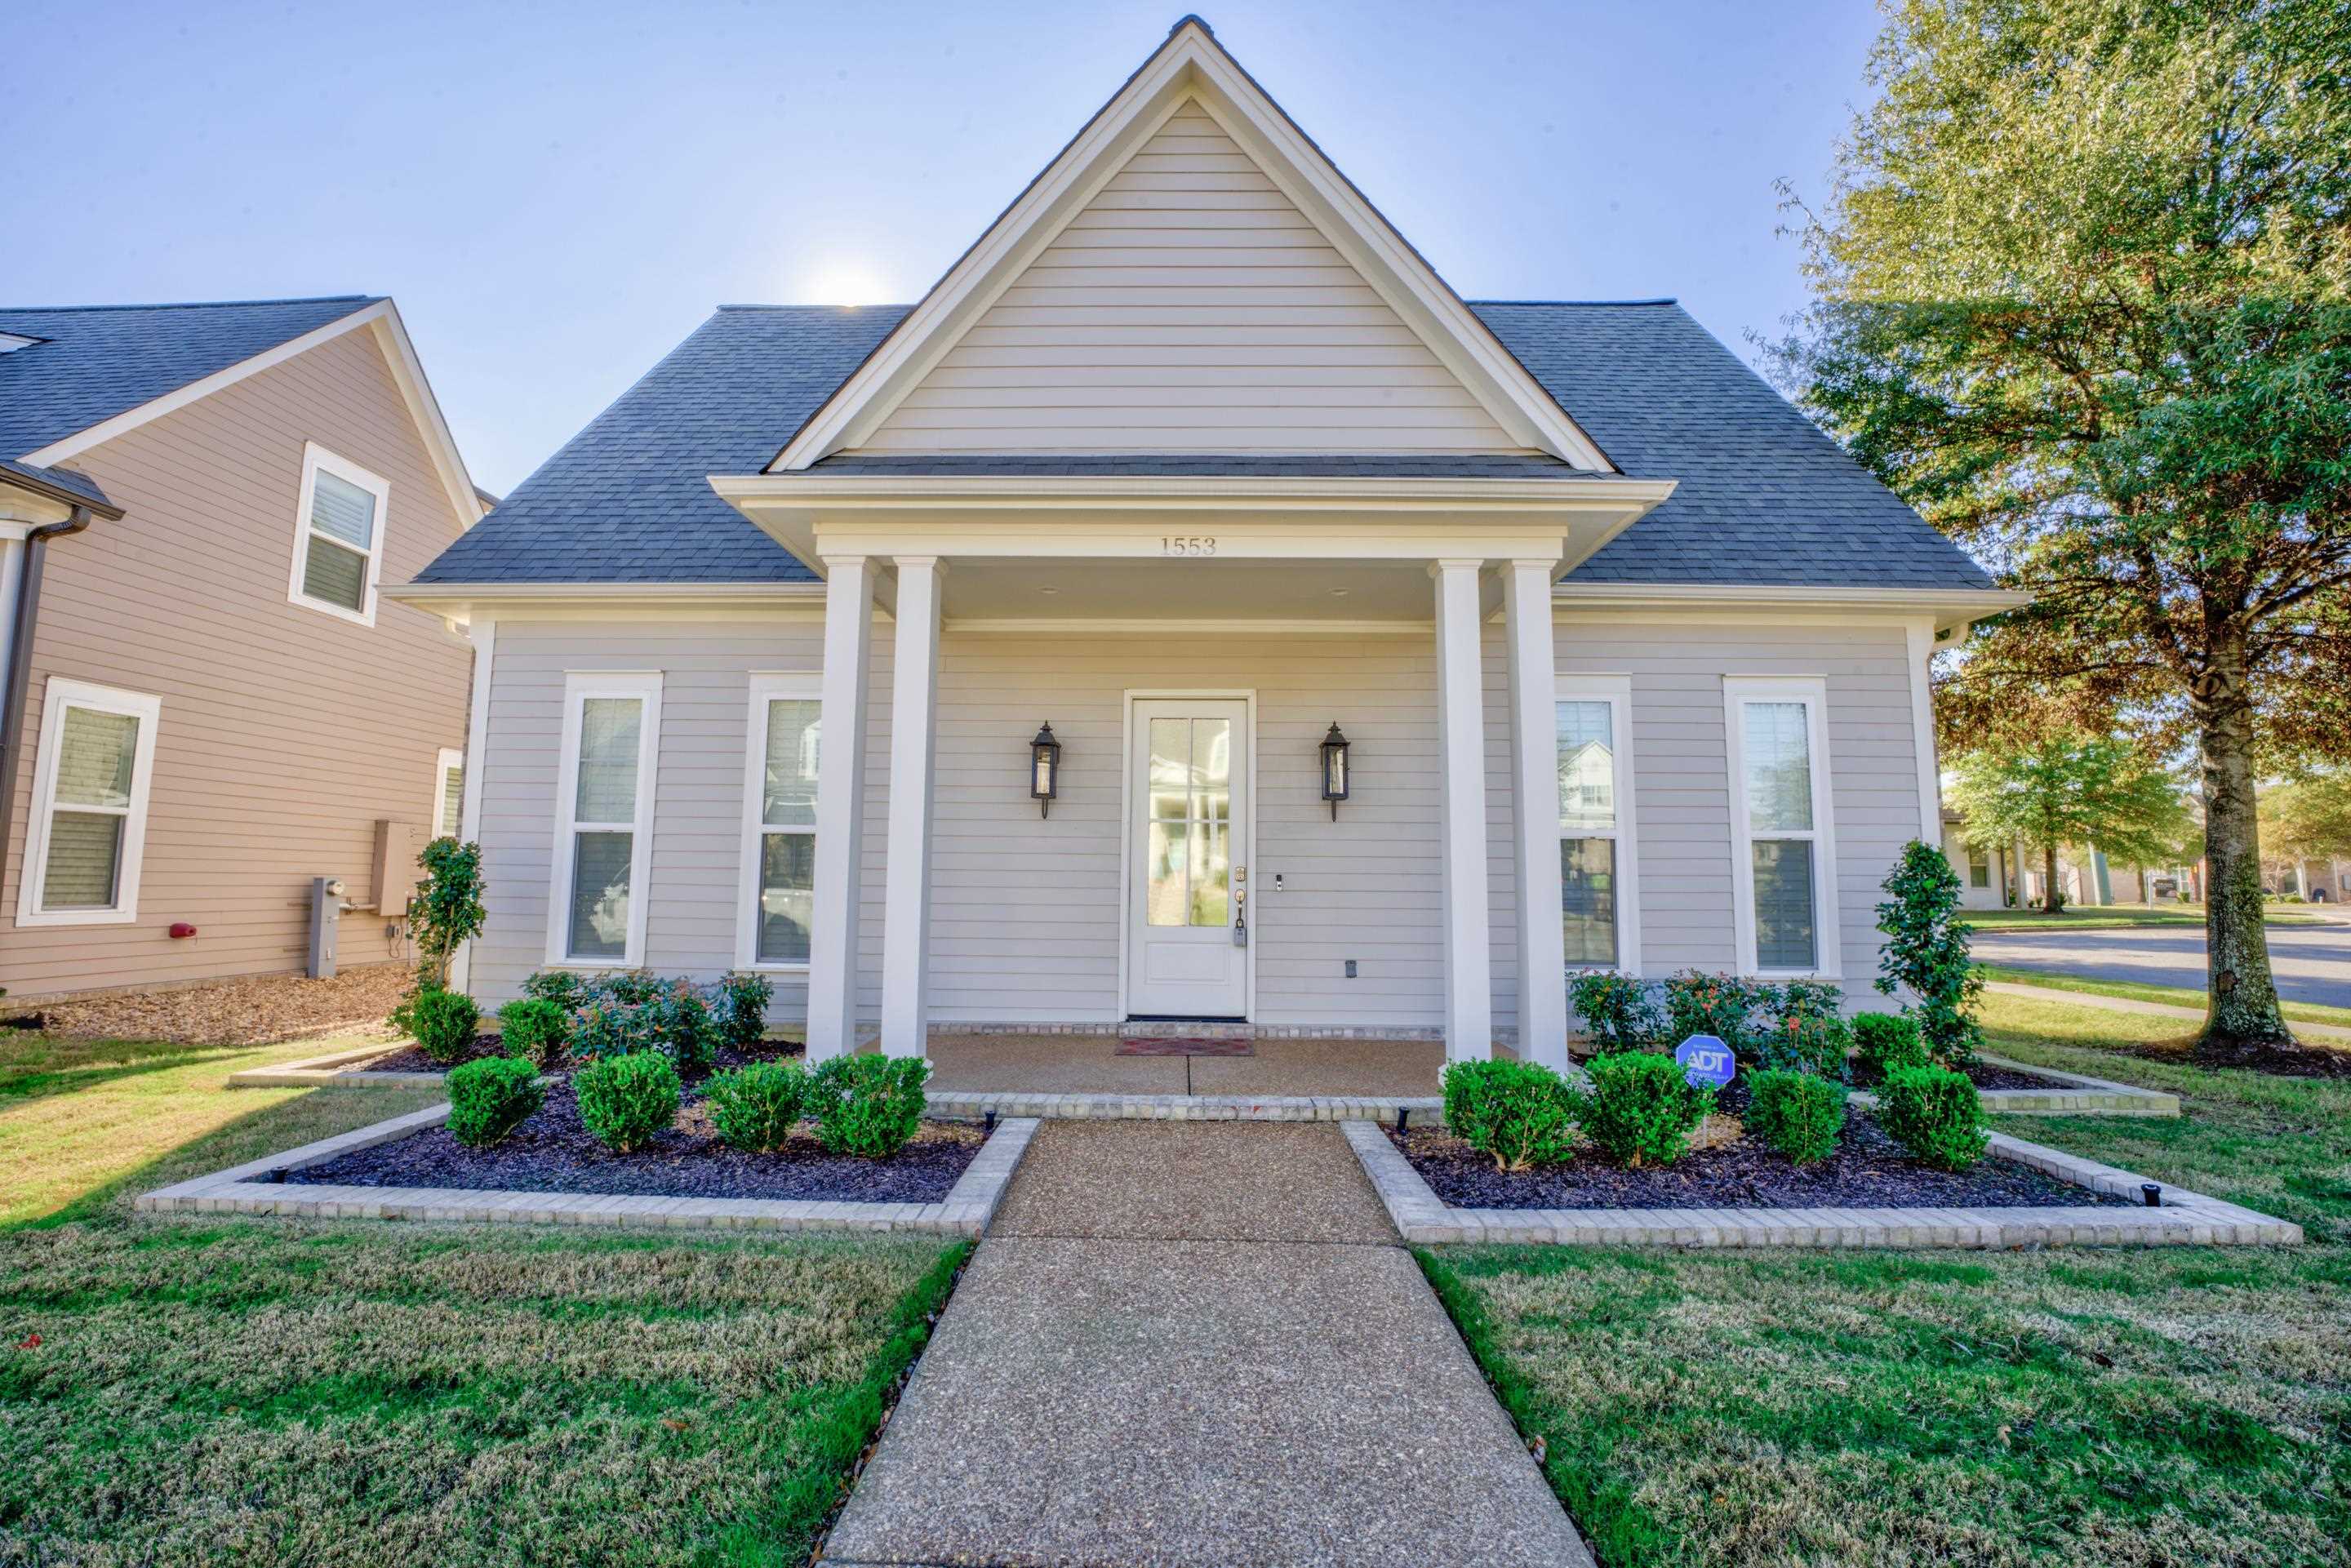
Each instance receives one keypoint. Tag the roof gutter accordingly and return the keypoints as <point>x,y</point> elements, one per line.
<point>25,614</point>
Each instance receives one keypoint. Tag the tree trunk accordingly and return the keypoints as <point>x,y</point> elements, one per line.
<point>2051,904</point>
<point>2243,1017</point>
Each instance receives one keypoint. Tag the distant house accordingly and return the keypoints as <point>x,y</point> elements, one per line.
<point>208,704</point>
<point>1995,876</point>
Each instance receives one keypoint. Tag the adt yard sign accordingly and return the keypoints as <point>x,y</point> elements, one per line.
<point>1705,1059</point>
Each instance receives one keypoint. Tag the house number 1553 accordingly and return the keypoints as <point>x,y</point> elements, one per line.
<point>1188,544</point>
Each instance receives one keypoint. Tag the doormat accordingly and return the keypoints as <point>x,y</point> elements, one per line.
<point>1185,1045</point>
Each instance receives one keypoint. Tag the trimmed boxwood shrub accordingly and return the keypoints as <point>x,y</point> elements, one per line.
<point>443,1023</point>
<point>625,1100</point>
<point>1641,1110</point>
<point>1798,1113</point>
<point>534,1028</point>
<point>754,1108</point>
<point>1519,1112</point>
<point>1934,1112</point>
<point>488,1098</point>
<point>1619,1012</point>
<point>1887,1043</point>
<point>867,1105</point>
<point>743,1009</point>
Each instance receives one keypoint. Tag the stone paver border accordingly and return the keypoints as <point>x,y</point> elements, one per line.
<point>2186,1218</point>
<point>971,1104</point>
<point>249,1188</point>
<point>2082,1096</point>
<point>334,1067</point>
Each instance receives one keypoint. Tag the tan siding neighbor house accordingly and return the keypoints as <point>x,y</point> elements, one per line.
<point>216,705</point>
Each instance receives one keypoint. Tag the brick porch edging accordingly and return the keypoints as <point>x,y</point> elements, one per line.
<point>333,1067</point>
<point>972,1104</point>
<point>2186,1218</point>
<point>2082,1096</point>
<point>241,1189</point>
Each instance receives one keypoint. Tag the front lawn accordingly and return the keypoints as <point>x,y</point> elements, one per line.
<point>211,1391</point>
<point>2168,995</point>
<point>2067,1407</point>
<point>2108,916</point>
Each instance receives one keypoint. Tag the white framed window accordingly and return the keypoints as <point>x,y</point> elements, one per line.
<point>782,733</point>
<point>1598,857</point>
<point>338,535</point>
<point>90,806</point>
<point>1782,845</point>
<point>604,803</point>
<point>448,793</point>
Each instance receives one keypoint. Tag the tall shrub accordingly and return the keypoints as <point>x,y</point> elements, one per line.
<point>1719,1005</point>
<point>1618,1011</point>
<point>447,910</point>
<point>1925,949</point>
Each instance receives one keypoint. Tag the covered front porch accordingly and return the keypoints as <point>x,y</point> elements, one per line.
<point>1190,640</point>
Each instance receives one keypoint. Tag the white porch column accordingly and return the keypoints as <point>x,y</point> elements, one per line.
<point>1534,784</point>
<point>906,914</point>
<point>840,807</point>
<point>482,631</point>
<point>1461,768</point>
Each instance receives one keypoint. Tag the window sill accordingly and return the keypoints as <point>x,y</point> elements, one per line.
<point>76,916</point>
<point>356,617</point>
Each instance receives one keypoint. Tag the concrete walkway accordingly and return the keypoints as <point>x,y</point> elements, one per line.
<point>2327,1031</point>
<point>1195,1343</point>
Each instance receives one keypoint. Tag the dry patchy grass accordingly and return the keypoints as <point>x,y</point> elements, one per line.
<point>2141,1408</point>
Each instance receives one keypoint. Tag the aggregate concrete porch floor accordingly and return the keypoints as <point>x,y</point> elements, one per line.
<point>1194,1343</point>
<point>1089,1064</point>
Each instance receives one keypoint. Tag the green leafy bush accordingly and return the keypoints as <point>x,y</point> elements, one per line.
<point>1804,1042</point>
<point>630,987</point>
<point>1719,1005</point>
<point>1925,949</point>
<point>1885,1043</point>
<point>1798,1113</point>
<point>1641,1111</point>
<point>1520,1113</point>
<point>447,910</point>
<point>743,1009</point>
<point>680,1025</point>
<point>1618,1011</point>
<point>488,1098</point>
<point>1802,998</point>
<point>755,1107</point>
<point>625,1100</point>
<point>562,986</point>
<point>867,1105</point>
<point>1934,1112</point>
<point>443,1022</point>
<point>603,1028</point>
<point>534,1028</point>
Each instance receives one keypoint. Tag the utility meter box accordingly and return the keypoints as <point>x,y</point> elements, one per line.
<point>397,874</point>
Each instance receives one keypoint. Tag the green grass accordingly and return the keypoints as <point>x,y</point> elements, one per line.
<point>2172,996</point>
<point>2112,916</point>
<point>2186,1406</point>
<point>250,1391</point>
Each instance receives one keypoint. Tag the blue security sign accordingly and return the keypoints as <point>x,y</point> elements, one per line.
<point>1705,1059</point>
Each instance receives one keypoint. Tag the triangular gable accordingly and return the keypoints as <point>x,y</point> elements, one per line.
<point>1027,342</point>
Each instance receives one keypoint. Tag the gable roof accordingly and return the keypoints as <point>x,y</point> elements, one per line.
<point>95,369</point>
<point>1764,497</point>
<point>1191,68</point>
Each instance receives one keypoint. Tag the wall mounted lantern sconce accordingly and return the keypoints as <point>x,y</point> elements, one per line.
<point>1044,770</point>
<point>1334,769</point>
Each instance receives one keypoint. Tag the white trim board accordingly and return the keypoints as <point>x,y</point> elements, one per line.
<point>1192,66</point>
<point>407,375</point>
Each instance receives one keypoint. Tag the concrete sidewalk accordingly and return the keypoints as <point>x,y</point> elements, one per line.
<point>1195,1343</point>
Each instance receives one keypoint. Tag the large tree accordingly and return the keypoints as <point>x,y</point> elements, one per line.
<point>2066,790</point>
<point>2083,297</point>
<point>2309,816</point>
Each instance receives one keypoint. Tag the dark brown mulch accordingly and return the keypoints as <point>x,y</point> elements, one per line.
<point>553,1151</point>
<point>411,1059</point>
<point>1869,1170</point>
<point>1982,1074</point>
<point>2307,1062</point>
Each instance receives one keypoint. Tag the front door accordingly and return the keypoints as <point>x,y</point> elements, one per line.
<point>1188,852</point>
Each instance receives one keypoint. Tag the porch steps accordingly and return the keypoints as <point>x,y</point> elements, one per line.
<point>974,1103</point>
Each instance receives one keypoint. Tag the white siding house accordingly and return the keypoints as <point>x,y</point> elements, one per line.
<point>1193,458</point>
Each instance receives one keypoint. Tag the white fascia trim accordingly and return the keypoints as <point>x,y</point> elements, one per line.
<point>1827,936</point>
<point>577,687</point>
<point>1947,606</point>
<point>408,374</point>
<point>58,694</point>
<point>767,685</point>
<point>1191,63</point>
<point>1616,691</point>
<point>315,460</point>
<point>1024,492</point>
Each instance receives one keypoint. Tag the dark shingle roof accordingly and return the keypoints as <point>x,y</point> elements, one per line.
<point>94,362</point>
<point>1764,497</point>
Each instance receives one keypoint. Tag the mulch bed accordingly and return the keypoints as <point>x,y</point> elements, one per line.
<point>1982,1074</point>
<point>553,1151</point>
<point>255,1009</point>
<point>1869,1170</point>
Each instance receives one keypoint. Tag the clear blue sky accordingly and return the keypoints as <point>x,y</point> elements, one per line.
<point>557,192</point>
